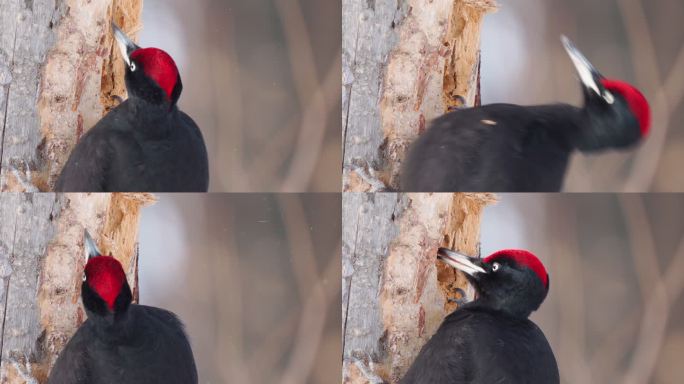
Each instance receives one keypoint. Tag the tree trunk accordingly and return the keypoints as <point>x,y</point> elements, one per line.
<point>395,293</point>
<point>57,78</point>
<point>41,268</point>
<point>403,64</point>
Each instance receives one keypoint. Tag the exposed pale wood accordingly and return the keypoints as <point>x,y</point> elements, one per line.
<point>395,293</point>
<point>56,81</point>
<point>41,267</point>
<point>402,65</point>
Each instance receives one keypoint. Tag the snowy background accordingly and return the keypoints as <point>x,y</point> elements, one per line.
<point>255,278</point>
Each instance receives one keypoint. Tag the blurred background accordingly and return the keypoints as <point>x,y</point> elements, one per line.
<point>615,311</point>
<point>638,41</point>
<point>255,278</point>
<point>262,80</point>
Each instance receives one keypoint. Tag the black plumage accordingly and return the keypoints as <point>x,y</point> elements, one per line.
<point>145,144</point>
<point>491,340</point>
<point>121,342</point>
<point>512,148</point>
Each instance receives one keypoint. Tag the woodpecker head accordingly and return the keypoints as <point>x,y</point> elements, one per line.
<point>105,291</point>
<point>618,113</point>
<point>151,74</point>
<point>512,280</point>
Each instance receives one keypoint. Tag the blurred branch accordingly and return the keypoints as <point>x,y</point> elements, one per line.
<point>273,153</point>
<point>641,242</point>
<point>303,65</point>
<point>310,330</point>
<point>301,246</point>
<point>572,312</point>
<point>658,294</point>
<point>228,112</point>
<point>666,95</point>
<point>613,347</point>
<point>311,290</point>
<point>228,289</point>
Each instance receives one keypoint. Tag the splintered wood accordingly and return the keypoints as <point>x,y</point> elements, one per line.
<point>395,292</point>
<point>403,67</point>
<point>58,75</point>
<point>41,268</point>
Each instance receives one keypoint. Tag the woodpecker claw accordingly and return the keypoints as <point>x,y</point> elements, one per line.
<point>367,370</point>
<point>24,369</point>
<point>117,99</point>
<point>369,176</point>
<point>23,178</point>
<point>461,103</point>
<point>461,299</point>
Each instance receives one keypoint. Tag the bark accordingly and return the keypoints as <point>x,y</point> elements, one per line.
<point>58,72</point>
<point>403,64</point>
<point>41,268</point>
<point>395,293</point>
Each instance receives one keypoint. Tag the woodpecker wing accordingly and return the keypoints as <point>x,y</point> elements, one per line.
<point>493,148</point>
<point>111,141</point>
<point>71,365</point>
<point>447,357</point>
<point>197,157</point>
<point>476,345</point>
<point>163,349</point>
<point>85,171</point>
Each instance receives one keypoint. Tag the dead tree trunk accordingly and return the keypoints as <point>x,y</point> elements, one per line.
<point>57,78</point>
<point>394,292</point>
<point>403,64</point>
<point>41,267</point>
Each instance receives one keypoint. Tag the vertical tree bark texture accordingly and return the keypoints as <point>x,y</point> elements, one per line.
<point>395,293</point>
<point>57,78</point>
<point>41,268</point>
<point>403,64</point>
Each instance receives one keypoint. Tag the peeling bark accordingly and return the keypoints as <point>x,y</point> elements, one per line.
<point>41,268</point>
<point>395,293</point>
<point>58,75</point>
<point>403,65</point>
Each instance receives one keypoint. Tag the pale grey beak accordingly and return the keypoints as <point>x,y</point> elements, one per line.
<point>469,265</point>
<point>126,45</point>
<point>589,76</point>
<point>91,249</point>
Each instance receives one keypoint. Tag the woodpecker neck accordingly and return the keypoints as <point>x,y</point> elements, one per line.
<point>100,310</point>
<point>605,125</point>
<point>114,327</point>
<point>517,295</point>
<point>140,86</point>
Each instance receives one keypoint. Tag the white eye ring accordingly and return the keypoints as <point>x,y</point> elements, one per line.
<point>495,267</point>
<point>84,276</point>
<point>133,67</point>
<point>608,97</point>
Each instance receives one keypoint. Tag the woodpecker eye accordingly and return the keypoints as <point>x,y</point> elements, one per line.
<point>495,267</point>
<point>133,67</point>
<point>84,276</point>
<point>608,97</point>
